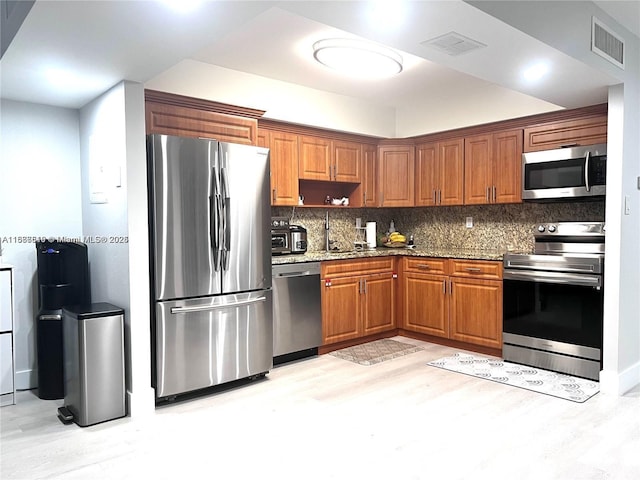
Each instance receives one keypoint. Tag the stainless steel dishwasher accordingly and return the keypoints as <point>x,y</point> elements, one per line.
<point>297,315</point>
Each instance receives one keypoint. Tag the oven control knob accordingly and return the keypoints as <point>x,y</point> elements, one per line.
<point>541,228</point>
<point>552,228</point>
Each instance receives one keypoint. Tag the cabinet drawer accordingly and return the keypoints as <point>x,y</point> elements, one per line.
<point>341,268</point>
<point>476,269</point>
<point>426,265</point>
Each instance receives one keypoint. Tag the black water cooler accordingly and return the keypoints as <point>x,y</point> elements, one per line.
<point>63,279</point>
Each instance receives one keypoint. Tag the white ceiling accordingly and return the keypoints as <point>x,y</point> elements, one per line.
<point>99,43</point>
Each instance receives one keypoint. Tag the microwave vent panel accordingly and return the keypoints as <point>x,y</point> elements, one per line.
<point>453,44</point>
<point>606,43</point>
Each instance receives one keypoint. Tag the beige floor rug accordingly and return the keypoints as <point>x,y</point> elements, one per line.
<point>375,352</point>
<point>522,376</point>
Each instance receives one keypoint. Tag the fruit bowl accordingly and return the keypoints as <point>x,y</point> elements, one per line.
<point>395,244</point>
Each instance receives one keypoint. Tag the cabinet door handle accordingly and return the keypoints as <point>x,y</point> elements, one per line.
<point>364,283</point>
<point>364,198</point>
<point>473,269</point>
<point>450,287</point>
<point>494,194</point>
<point>439,197</point>
<point>273,195</point>
<point>487,195</point>
<point>435,197</point>
<point>444,287</point>
<point>423,266</point>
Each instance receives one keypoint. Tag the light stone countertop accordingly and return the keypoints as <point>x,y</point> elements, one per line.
<point>322,256</point>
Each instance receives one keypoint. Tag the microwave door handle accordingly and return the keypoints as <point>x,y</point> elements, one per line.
<point>586,172</point>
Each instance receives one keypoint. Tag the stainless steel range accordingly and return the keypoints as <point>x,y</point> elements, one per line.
<point>553,300</point>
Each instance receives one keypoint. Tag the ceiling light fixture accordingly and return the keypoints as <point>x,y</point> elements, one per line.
<point>536,72</point>
<point>357,57</point>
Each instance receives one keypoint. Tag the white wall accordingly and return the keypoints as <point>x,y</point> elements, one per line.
<point>112,144</point>
<point>39,197</point>
<point>281,100</point>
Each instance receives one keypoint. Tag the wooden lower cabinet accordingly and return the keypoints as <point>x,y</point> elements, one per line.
<point>456,299</point>
<point>426,306</point>
<point>341,310</point>
<point>475,311</point>
<point>358,299</point>
<point>379,300</point>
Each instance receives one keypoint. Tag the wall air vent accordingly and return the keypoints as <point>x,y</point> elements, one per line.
<point>606,43</point>
<point>453,44</point>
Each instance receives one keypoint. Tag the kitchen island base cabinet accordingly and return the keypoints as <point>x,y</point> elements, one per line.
<point>358,299</point>
<point>460,300</point>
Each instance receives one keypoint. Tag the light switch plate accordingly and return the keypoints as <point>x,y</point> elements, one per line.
<point>469,223</point>
<point>627,205</point>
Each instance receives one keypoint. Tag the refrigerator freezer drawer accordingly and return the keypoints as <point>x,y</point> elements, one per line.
<point>209,341</point>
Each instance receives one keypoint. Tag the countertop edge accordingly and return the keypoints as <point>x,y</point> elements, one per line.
<point>387,252</point>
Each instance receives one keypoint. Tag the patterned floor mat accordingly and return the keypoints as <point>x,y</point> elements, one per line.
<point>531,378</point>
<point>375,352</point>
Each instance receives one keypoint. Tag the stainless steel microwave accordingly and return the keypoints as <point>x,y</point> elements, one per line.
<point>564,173</point>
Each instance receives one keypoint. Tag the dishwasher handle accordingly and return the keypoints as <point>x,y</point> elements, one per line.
<point>303,273</point>
<point>289,270</point>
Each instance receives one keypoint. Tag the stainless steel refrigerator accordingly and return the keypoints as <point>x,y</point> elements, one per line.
<point>211,249</point>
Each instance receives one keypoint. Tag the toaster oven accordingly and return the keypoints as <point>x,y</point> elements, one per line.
<point>280,236</point>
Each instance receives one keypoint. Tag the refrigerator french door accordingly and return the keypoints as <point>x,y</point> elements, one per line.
<point>211,249</point>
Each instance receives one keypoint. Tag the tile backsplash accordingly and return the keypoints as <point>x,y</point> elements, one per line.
<point>495,227</point>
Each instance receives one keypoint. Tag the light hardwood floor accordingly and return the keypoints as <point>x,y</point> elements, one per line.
<point>327,418</point>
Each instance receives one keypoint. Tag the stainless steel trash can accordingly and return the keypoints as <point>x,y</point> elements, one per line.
<point>93,363</point>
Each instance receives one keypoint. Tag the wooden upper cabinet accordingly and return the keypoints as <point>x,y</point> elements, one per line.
<point>507,166</point>
<point>583,131</point>
<point>347,162</point>
<point>191,122</point>
<point>427,174</point>
<point>370,176</point>
<point>440,173</point>
<point>395,175</point>
<point>330,160</point>
<point>478,182</point>
<point>315,158</point>
<point>493,168</point>
<point>451,155</point>
<point>283,153</point>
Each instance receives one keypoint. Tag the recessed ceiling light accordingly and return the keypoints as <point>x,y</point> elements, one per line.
<point>357,57</point>
<point>536,72</point>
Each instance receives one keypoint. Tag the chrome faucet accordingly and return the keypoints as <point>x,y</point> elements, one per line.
<point>327,229</point>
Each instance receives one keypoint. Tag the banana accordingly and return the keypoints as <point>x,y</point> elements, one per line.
<point>397,237</point>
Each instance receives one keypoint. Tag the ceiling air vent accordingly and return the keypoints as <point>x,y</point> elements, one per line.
<point>453,44</point>
<point>606,43</point>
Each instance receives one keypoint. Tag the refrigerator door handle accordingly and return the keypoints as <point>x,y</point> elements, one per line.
<point>217,217</point>
<point>226,233</point>
<point>203,308</point>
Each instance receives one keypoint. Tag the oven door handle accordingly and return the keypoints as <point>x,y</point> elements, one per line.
<point>554,277</point>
